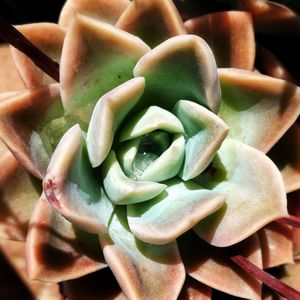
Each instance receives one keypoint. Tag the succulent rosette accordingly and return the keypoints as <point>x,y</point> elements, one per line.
<point>149,155</point>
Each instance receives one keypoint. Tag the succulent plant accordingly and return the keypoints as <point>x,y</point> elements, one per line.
<point>162,154</point>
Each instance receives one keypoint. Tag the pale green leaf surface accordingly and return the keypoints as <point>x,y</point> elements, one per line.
<point>258,109</point>
<point>91,43</point>
<point>253,189</point>
<point>173,212</point>
<point>71,186</point>
<point>124,190</point>
<point>168,164</point>
<point>148,120</point>
<point>144,271</point>
<point>205,133</point>
<point>182,67</point>
<point>108,114</point>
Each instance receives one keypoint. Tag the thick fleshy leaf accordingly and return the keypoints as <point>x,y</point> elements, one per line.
<point>286,155</point>
<point>176,210</point>
<point>230,35</point>
<point>270,65</point>
<point>25,118</point>
<point>148,120</point>
<point>49,39</point>
<point>271,17</point>
<point>194,290</point>
<point>213,267</point>
<point>71,187</point>
<point>55,251</point>
<point>124,190</point>
<point>291,275</point>
<point>9,77</point>
<point>91,43</point>
<point>99,285</point>
<point>103,10</point>
<point>258,109</point>
<point>14,251</point>
<point>253,190</point>
<point>108,114</point>
<point>144,271</point>
<point>168,164</point>
<point>18,197</point>
<point>182,67</point>
<point>205,133</point>
<point>154,21</point>
<point>276,244</point>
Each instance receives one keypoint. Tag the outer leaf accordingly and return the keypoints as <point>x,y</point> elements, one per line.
<point>230,34</point>
<point>9,77</point>
<point>291,275</point>
<point>108,114</point>
<point>270,65</point>
<point>194,290</point>
<point>15,253</point>
<point>176,210</point>
<point>276,244</point>
<point>205,133</point>
<point>182,67</point>
<point>106,11</point>
<point>271,17</point>
<point>286,156</point>
<point>91,43</point>
<point>213,267</point>
<point>18,197</point>
<point>124,190</point>
<point>252,186</point>
<point>49,39</point>
<point>71,187</point>
<point>53,251</point>
<point>25,139</point>
<point>257,108</point>
<point>154,21</point>
<point>99,285</point>
<point>144,271</point>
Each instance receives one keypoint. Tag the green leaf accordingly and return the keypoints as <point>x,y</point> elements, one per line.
<point>107,116</point>
<point>176,210</point>
<point>258,109</point>
<point>96,58</point>
<point>71,185</point>
<point>205,133</point>
<point>144,271</point>
<point>253,190</point>
<point>183,67</point>
<point>124,190</point>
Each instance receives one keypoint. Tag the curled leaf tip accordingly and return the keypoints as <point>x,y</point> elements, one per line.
<point>12,36</point>
<point>269,280</point>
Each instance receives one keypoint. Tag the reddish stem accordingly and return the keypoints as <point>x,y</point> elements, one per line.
<point>281,288</point>
<point>12,36</point>
<point>290,220</point>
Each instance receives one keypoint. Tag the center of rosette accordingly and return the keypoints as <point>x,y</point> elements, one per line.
<point>151,146</point>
